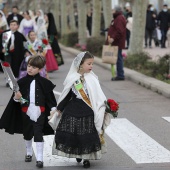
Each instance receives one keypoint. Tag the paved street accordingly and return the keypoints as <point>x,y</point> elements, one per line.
<point>139,139</point>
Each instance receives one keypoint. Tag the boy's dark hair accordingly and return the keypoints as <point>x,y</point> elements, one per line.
<point>14,21</point>
<point>87,55</point>
<point>15,7</point>
<point>37,61</point>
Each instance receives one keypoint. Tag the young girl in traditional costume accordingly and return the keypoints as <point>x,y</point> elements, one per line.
<point>82,109</point>
<point>30,118</point>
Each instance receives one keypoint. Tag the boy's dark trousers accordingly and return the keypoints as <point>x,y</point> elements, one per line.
<point>31,128</point>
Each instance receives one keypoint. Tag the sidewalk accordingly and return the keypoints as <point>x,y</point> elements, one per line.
<point>156,52</point>
<point>145,81</point>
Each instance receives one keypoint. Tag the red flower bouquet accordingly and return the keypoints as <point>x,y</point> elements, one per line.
<point>43,45</point>
<point>112,107</point>
<point>45,41</point>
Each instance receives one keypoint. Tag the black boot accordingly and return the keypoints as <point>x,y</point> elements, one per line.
<point>39,164</point>
<point>28,158</point>
<point>78,160</point>
<point>86,164</point>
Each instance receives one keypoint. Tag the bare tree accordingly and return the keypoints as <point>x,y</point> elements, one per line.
<point>56,12</point>
<point>63,17</point>
<point>107,12</point>
<point>96,18</point>
<point>72,19</point>
<point>138,27</point>
<point>81,5</point>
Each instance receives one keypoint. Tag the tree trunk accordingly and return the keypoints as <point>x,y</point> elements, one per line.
<point>63,17</point>
<point>96,18</point>
<point>72,19</point>
<point>107,12</point>
<point>160,4</point>
<point>138,27</point>
<point>56,12</point>
<point>81,22</point>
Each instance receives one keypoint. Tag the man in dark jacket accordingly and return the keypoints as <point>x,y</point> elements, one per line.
<point>150,25</point>
<point>116,37</point>
<point>14,15</point>
<point>163,23</point>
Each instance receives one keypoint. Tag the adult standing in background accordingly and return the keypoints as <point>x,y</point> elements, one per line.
<point>150,25</point>
<point>163,22</point>
<point>14,16</point>
<point>116,37</point>
<point>52,35</point>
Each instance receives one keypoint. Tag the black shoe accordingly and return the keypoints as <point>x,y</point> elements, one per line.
<point>78,160</point>
<point>28,158</point>
<point>39,164</point>
<point>117,78</point>
<point>7,85</point>
<point>86,164</point>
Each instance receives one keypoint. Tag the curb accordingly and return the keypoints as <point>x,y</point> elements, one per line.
<point>141,79</point>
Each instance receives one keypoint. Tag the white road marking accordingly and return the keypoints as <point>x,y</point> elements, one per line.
<point>53,160</point>
<point>135,143</point>
<point>56,92</point>
<point>166,118</point>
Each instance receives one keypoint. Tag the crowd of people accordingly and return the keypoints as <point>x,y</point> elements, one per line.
<point>30,46</point>
<point>157,26</point>
<point>22,36</point>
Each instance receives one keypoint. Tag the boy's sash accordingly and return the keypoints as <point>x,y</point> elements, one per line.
<point>79,87</point>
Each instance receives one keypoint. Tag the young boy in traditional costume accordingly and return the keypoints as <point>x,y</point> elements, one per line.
<point>30,118</point>
<point>82,109</point>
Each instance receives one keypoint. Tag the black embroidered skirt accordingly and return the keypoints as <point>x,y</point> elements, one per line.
<point>76,135</point>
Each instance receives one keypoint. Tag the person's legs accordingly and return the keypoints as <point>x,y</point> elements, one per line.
<point>146,37</point>
<point>38,138</point>
<point>120,71</point>
<point>150,38</point>
<point>163,38</point>
<point>28,135</point>
<point>127,38</point>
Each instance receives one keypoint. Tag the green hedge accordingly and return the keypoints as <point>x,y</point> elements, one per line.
<point>95,44</point>
<point>69,39</point>
<point>142,63</point>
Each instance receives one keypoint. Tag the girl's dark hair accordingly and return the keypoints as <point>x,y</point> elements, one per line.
<point>37,61</point>
<point>30,33</point>
<point>27,12</point>
<point>87,55</point>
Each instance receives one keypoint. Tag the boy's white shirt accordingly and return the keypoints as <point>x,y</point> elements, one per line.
<point>96,95</point>
<point>33,111</point>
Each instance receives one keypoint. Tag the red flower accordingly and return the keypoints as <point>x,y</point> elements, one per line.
<point>112,107</point>
<point>39,47</point>
<point>44,41</point>
<point>6,64</point>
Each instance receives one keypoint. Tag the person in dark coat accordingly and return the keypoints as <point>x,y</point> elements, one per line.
<point>52,34</point>
<point>15,15</point>
<point>150,25</point>
<point>31,117</point>
<point>163,22</point>
<point>116,37</point>
<point>15,48</point>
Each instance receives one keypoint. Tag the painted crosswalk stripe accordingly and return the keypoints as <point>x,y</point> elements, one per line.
<point>167,119</point>
<point>57,93</point>
<point>135,143</point>
<point>53,160</point>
